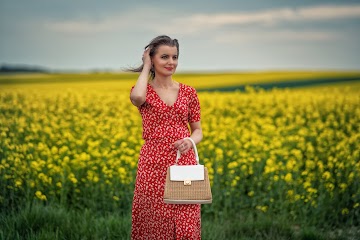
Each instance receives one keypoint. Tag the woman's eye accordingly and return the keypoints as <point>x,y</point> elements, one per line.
<point>166,57</point>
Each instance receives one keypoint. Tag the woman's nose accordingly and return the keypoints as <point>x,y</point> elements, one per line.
<point>172,61</point>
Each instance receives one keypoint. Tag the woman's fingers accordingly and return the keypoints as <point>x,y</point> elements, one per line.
<point>146,56</point>
<point>182,146</point>
<point>178,143</point>
<point>146,53</point>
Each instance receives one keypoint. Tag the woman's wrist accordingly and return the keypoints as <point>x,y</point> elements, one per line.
<point>191,145</point>
<point>146,68</point>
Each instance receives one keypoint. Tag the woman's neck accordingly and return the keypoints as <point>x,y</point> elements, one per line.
<point>163,82</point>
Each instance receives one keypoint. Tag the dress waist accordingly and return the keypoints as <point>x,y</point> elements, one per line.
<point>165,139</point>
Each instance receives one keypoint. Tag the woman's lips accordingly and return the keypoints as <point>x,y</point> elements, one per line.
<point>169,68</point>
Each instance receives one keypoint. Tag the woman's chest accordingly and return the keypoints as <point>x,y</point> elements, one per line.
<point>167,96</point>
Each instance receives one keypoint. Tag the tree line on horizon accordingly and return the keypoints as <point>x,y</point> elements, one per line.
<point>17,68</point>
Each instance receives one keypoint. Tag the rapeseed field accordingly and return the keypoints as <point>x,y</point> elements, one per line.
<point>288,152</point>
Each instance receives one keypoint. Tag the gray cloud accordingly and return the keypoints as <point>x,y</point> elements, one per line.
<point>198,22</point>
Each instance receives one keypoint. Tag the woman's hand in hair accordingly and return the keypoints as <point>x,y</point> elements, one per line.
<point>146,57</point>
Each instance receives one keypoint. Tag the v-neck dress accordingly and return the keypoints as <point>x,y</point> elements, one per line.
<point>162,126</point>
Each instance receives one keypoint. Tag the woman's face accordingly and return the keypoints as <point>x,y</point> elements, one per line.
<point>165,60</point>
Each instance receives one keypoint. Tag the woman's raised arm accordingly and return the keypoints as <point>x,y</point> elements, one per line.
<point>138,93</point>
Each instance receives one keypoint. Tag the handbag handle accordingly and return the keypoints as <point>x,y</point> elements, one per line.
<point>195,149</point>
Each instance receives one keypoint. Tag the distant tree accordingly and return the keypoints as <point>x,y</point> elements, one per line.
<point>17,68</point>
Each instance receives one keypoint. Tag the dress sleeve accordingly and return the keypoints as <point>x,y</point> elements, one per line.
<point>132,88</point>
<point>194,107</point>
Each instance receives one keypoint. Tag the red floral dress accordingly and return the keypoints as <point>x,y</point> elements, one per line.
<point>162,125</point>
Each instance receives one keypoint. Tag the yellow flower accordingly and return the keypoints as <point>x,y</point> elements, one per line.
<point>219,153</point>
<point>72,178</point>
<point>262,208</point>
<point>233,165</point>
<point>95,179</point>
<point>54,150</point>
<point>345,211</point>
<point>18,183</point>
<point>312,190</point>
<point>343,187</point>
<point>40,195</point>
<point>330,187</point>
<point>251,193</point>
<point>288,177</point>
<point>307,184</point>
<point>290,193</point>
<point>326,175</point>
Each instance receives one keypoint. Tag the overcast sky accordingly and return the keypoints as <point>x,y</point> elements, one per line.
<point>214,35</point>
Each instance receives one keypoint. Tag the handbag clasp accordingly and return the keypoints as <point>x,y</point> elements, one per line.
<point>187,183</point>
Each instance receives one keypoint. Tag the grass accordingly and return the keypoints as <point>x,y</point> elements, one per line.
<point>55,222</point>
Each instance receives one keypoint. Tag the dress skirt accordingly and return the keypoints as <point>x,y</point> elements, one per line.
<point>152,218</point>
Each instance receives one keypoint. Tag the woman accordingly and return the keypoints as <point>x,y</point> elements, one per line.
<point>168,108</point>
